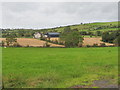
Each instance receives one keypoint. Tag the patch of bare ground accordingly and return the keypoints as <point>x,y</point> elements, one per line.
<point>98,84</point>
<point>33,82</point>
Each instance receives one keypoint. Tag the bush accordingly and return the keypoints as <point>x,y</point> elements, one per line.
<point>2,43</point>
<point>56,42</point>
<point>79,44</point>
<point>88,46</point>
<point>110,36</point>
<point>117,41</point>
<point>102,44</point>
<point>42,39</point>
<point>61,43</point>
<point>16,45</point>
<point>46,45</point>
<point>95,45</point>
<point>83,33</point>
<point>90,35</point>
<point>27,46</point>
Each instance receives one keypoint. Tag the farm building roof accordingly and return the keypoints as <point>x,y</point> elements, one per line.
<point>53,33</point>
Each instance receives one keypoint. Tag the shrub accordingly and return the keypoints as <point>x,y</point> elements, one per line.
<point>2,43</point>
<point>95,45</point>
<point>102,44</point>
<point>79,44</point>
<point>16,45</point>
<point>42,38</point>
<point>88,46</point>
<point>117,41</point>
<point>46,45</point>
<point>56,41</point>
<point>27,46</point>
<point>90,35</point>
<point>61,43</point>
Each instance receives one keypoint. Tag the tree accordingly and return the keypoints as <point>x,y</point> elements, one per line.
<point>21,33</point>
<point>70,37</point>
<point>67,29</point>
<point>110,36</point>
<point>3,43</point>
<point>105,36</point>
<point>117,41</point>
<point>90,33</point>
<point>98,33</point>
<point>83,33</point>
<point>10,40</point>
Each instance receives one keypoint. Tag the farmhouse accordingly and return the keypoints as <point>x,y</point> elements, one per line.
<point>37,35</point>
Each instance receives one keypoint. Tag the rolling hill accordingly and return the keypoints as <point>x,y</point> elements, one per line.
<point>92,27</point>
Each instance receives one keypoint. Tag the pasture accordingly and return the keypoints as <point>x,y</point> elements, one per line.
<point>59,67</point>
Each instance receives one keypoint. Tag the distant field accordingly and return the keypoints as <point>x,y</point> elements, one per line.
<point>40,43</point>
<point>60,67</point>
<point>33,42</point>
<point>90,27</point>
<point>89,41</point>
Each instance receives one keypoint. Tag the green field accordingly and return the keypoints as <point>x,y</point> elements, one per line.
<point>59,67</point>
<point>92,27</point>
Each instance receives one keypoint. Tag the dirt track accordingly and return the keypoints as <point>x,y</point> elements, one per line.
<point>40,43</point>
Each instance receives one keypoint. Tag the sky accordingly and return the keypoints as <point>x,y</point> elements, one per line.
<point>52,14</point>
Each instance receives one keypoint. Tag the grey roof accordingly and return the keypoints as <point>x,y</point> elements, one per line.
<point>53,33</point>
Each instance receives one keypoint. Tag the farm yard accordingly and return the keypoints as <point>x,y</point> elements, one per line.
<point>59,68</point>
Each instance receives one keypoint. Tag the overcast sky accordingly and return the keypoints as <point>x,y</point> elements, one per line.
<point>52,14</point>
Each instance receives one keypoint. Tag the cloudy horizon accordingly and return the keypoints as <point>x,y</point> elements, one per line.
<point>53,14</point>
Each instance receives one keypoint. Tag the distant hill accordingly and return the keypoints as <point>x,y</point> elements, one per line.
<point>92,27</point>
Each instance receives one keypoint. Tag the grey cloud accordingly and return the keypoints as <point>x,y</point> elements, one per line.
<point>51,14</point>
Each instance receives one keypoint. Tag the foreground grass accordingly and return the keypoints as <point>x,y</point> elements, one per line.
<point>58,67</point>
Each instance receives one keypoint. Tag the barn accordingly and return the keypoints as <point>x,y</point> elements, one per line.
<point>53,34</point>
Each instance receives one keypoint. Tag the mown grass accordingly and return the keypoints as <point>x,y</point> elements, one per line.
<point>58,67</point>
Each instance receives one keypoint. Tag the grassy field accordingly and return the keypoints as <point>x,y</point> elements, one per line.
<point>59,67</point>
<point>89,27</point>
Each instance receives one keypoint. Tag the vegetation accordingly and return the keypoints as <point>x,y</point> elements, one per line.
<point>11,40</point>
<point>58,67</point>
<point>28,33</point>
<point>47,44</point>
<point>71,38</point>
<point>71,35</point>
<point>110,36</point>
<point>84,29</point>
<point>117,41</point>
<point>88,27</point>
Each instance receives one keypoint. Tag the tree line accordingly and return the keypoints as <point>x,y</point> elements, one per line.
<point>69,37</point>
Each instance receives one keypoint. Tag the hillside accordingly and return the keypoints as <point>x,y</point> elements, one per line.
<point>98,26</point>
